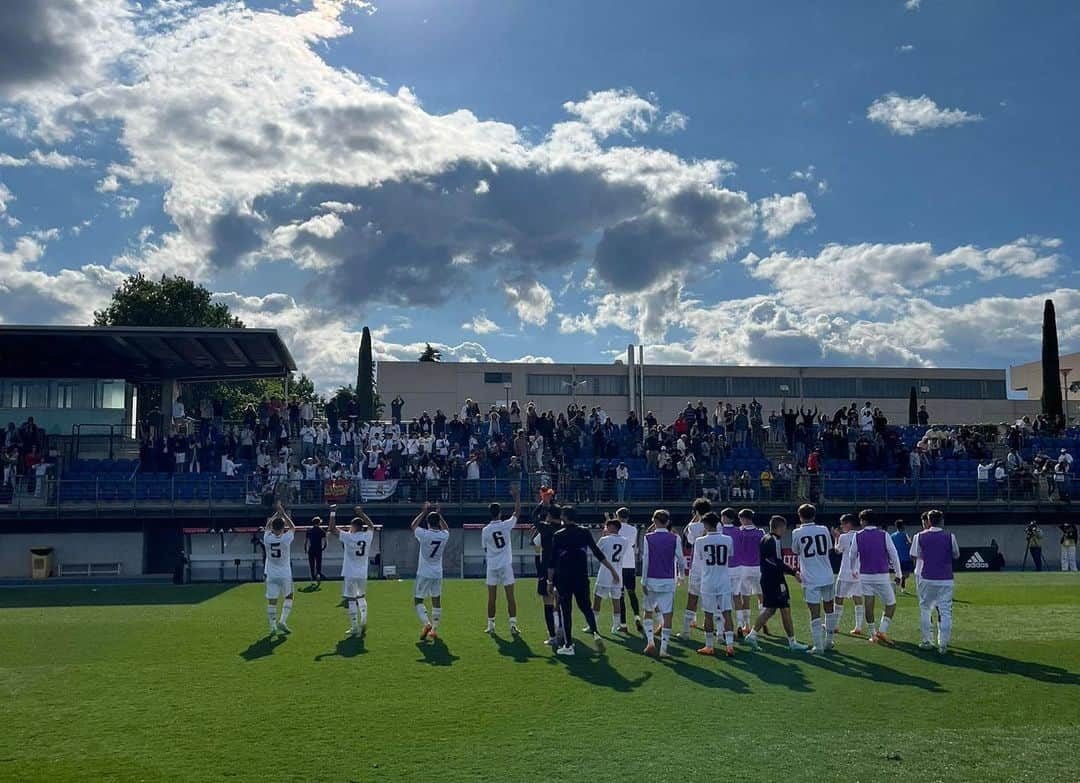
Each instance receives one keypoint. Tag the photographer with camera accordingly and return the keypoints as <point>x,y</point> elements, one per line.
<point>1034,543</point>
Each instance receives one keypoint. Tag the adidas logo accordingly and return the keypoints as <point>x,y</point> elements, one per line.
<point>975,562</point>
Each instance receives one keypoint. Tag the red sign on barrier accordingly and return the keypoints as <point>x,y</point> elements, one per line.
<point>336,490</point>
<point>791,560</point>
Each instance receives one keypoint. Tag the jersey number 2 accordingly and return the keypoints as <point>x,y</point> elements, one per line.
<point>616,553</point>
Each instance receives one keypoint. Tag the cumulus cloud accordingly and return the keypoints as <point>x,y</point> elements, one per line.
<point>912,5</point>
<point>532,301</point>
<point>481,324</point>
<point>673,122</point>
<point>780,214</point>
<point>49,160</point>
<point>614,111</point>
<point>908,116</point>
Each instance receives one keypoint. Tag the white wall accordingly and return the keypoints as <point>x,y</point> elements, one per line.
<point>125,548</point>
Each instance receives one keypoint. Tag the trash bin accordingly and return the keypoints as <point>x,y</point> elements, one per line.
<point>41,562</point>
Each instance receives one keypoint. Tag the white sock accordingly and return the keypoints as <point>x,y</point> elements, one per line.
<point>285,609</point>
<point>491,622</point>
<point>648,630</point>
<point>817,631</point>
<point>688,617</point>
<point>832,622</point>
<point>729,638</point>
<point>885,622</point>
<point>925,625</point>
<point>665,637</point>
<point>352,614</point>
<point>436,615</point>
<point>860,617</point>
<point>709,639</point>
<point>513,622</point>
<point>791,640</point>
<point>871,628</point>
<point>271,615</point>
<point>421,612</point>
<point>838,610</point>
<point>944,628</point>
<point>752,636</point>
<point>362,604</point>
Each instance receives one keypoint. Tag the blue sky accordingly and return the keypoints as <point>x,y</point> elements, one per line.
<point>790,182</point>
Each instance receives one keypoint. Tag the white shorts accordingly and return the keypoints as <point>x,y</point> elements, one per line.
<point>500,576</point>
<point>278,586</point>
<point>428,587</point>
<point>614,592</point>
<point>819,594</point>
<point>694,584</point>
<point>848,588</point>
<point>747,581</point>
<point>883,591</point>
<point>659,602</point>
<point>354,587</point>
<point>715,603</point>
<point>935,593</point>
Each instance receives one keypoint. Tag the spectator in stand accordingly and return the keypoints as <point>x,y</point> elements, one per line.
<point>1068,546</point>
<point>307,413</point>
<point>307,441</point>
<point>923,416</point>
<point>396,406</point>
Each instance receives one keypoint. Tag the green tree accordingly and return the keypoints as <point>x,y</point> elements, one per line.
<point>913,407</point>
<point>430,354</point>
<point>365,378</point>
<point>170,301</point>
<point>1051,368</point>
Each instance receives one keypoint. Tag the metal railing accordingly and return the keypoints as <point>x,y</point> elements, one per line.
<point>193,492</point>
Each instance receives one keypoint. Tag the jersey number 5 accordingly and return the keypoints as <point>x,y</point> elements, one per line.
<point>275,549</point>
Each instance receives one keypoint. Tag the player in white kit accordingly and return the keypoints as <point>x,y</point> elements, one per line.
<point>432,532</point>
<point>499,555</point>
<point>356,546</point>
<point>615,548</point>
<point>811,543</point>
<point>711,554</point>
<point>693,530</point>
<point>277,541</point>
<point>847,581</point>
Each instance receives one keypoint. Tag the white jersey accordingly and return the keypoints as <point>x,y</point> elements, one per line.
<point>357,548</point>
<point>711,554</point>
<point>614,548</point>
<point>812,543</point>
<point>278,563</point>
<point>432,545</point>
<point>693,532</point>
<point>498,548</point>
<point>845,544</point>
<point>629,533</point>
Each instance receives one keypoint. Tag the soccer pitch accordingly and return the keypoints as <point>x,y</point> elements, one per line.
<point>181,684</point>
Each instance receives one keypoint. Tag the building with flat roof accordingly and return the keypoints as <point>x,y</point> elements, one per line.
<point>950,395</point>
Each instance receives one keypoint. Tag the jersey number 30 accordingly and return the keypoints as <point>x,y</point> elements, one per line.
<point>715,554</point>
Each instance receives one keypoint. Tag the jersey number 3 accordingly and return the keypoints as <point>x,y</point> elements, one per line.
<point>361,548</point>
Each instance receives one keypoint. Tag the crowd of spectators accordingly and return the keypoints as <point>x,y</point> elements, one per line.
<point>24,456</point>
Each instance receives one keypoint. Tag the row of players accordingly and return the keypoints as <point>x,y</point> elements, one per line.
<point>732,562</point>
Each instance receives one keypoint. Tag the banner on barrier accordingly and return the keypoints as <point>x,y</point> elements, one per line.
<point>377,490</point>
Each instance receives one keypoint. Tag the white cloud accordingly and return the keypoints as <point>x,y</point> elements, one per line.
<point>532,301</point>
<point>614,111</point>
<point>905,48</point>
<point>908,116</point>
<point>809,174</point>
<point>108,184</point>
<point>912,5</point>
<point>481,324</point>
<point>780,214</point>
<point>50,160</point>
<point>6,197</point>
<point>673,122</point>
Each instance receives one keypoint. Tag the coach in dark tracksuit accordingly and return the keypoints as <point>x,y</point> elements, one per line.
<point>315,544</point>
<point>569,572</point>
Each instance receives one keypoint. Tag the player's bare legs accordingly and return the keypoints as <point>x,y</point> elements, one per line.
<point>492,591</point>
<point>511,609</point>
<point>785,619</point>
<point>425,620</point>
<point>710,635</point>
<point>286,608</point>
<point>690,616</point>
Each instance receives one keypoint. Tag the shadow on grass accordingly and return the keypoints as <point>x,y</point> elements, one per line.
<point>262,648</point>
<point>988,663</point>
<point>837,662</point>
<point>435,653</point>
<point>312,587</point>
<point>772,670</point>
<point>515,647</point>
<point>111,595</point>
<point>711,674</point>
<point>593,667</point>
<point>349,647</point>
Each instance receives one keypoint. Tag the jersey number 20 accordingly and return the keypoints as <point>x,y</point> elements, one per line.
<point>818,542</point>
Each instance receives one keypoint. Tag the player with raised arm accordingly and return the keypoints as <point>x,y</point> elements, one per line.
<point>432,532</point>
<point>774,590</point>
<point>629,532</point>
<point>277,567</point>
<point>356,547</point>
<point>615,549</point>
<point>544,530</point>
<point>812,543</point>
<point>874,555</point>
<point>935,549</point>
<point>662,567</point>
<point>693,530</point>
<point>499,556</point>
<point>847,581</point>
<point>712,551</point>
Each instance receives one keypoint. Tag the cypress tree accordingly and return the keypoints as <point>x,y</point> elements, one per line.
<point>1051,368</point>
<point>913,408</point>
<point>365,378</point>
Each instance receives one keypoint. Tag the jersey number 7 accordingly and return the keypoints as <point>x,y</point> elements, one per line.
<point>435,548</point>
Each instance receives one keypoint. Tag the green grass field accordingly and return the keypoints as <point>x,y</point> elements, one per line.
<point>181,684</point>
